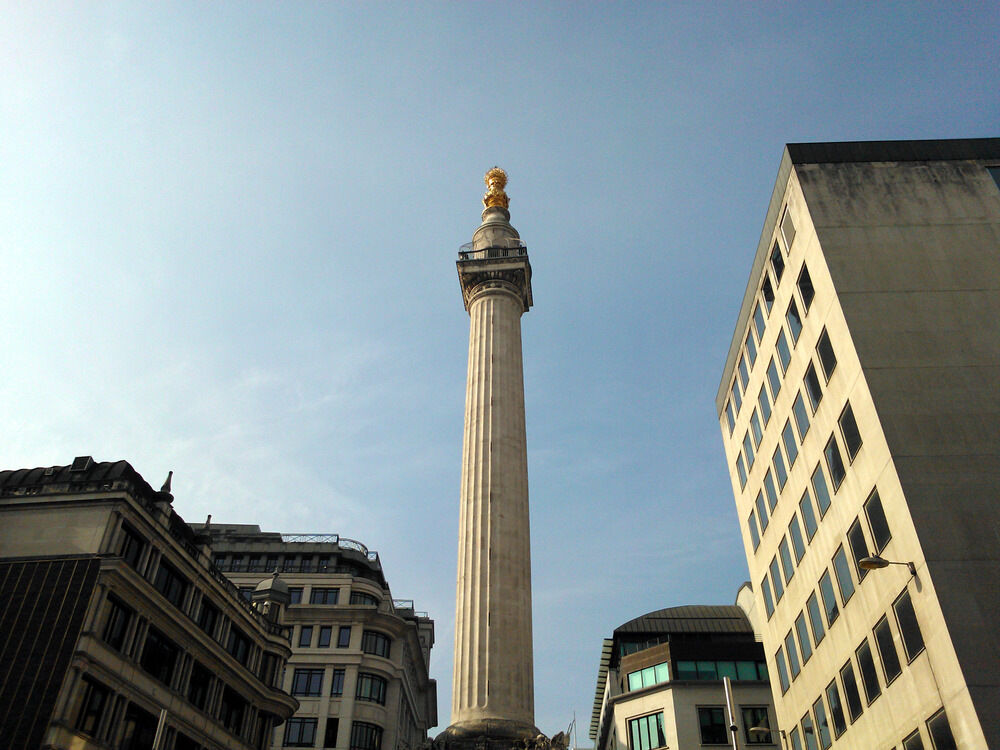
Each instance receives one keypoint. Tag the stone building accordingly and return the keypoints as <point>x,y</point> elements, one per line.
<point>859,412</point>
<point>360,659</point>
<point>660,682</point>
<point>117,628</point>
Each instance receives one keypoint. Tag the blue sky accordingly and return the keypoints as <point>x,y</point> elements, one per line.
<point>227,245</point>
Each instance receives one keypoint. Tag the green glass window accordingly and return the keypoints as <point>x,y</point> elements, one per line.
<point>646,732</point>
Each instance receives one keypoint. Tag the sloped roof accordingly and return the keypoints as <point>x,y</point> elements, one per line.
<point>695,618</point>
<point>80,471</point>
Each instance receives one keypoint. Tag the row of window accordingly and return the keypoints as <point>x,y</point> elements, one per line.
<point>308,682</point>
<point>372,642</point>
<point>646,732</point>
<point>697,670</point>
<point>301,732</point>
<point>257,563</point>
<point>319,596</point>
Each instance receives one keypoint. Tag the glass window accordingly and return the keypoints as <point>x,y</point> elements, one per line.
<point>95,699</point>
<point>777,263</point>
<point>365,736</point>
<point>767,292</point>
<point>748,449</point>
<point>808,517</point>
<point>730,417</point>
<point>325,636</point>
<point>208,616</point>
<point>646,732</point>
<point>744,373</point>
<point>809,732</point>
<point>940,732</point>
<point>707,670</point>
<point>779,467</point>
<point>761,512</point>
<point>116,626</point>
<point>758,321</point>
<point>869,677</point>
<point>765,405</point>
<point>330,733</point>
<point>687,670</point>
<point>834,463</point>
<point>794,321</point>
<point>887,650</point>
<point>737,397</point>
<point>199,685</point>
<point>371,688</point>
<point>305,636</point>
<point>909,628</point>
<point>851,694</point>
<point>752,528</point>
<point>822,493</point>
<point>773,379</point>
<point>307,682</point>
<point>295,595</point>
<point>765,591</point>
<point>793,654</point>
<point>849,429</point>
<point>795,534</point>
<point>131,547</point>
<point>324,596</point>
<point>829,598</point>
<point>360,597</point>
<point>859,547</point>
<point>813,389</point>
<point>784,354</point>
<point>755,429</point>
<point>877,521</point>
<point>741,470</point>
<point>756,717</point>
<point>843,571</point>
<point>802,631</point>
<point>786,560</point>
<point>170,583</point>
<point>812,607</point>
<point>801,416</point>
<point>836,709</point>
<point>770,490</point>
<point>827,358</point>
<point>300,732</point>
<point>159,656</point>
<point>375,643</point>
<point>779,590</point>
<point>787,228</point>
<point>796,740</point>
<point>337,685</point>
<point>238,645</point>
<point>791,447</point>
<point>344,636</point>
<point>779,659</point>
<point>806,289</point>
<point>751,349</point>
<point>913,741</point>
<point>713,725</point>
<point>819,711</point>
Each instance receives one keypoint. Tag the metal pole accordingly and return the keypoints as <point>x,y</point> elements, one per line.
<point>731,706</point>
<point>161,731</point>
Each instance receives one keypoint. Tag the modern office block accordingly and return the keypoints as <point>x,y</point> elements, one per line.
<point>859,408</point>
<point>360,659</point>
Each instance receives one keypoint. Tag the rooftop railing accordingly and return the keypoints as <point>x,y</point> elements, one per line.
<point>511,248</point>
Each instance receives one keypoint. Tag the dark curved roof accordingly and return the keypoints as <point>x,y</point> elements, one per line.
<point>696,618</point>
<point>84,469</point>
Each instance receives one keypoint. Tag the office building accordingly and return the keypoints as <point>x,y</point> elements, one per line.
<point>360,659</point>
<point>660,682</point>
<point>117,628</point>
<point>859,411</point>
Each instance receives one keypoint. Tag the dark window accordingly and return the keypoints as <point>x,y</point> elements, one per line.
<point>787,228</point>
<point>371,687</point>
<point>132,546</point>
<point>812,607</point>
<point>95,700</point>
<point>295,595</point>
<point>940,731</point>
<point>836,709</point>
<point>237,564</point>
<point>779,660</point>
<point>869,677</point>
<point>756,717</point>
<point>773,379</point>
<point>246,593</point>
<point>713,726</point>
<point>183,742</point>
<point>851,693</point>
<point>737,398</point>
<point>806,288</point>
<point>238,645</point>
<point>730,417</point>
<point>995,174</point>
<point>323,564</point>
<point>793,654</point>
<point>794,321</point>
<point>344,636</point>
<point>305,636</point>
<point>808,517</point>
<point>786,560</point>
<point>170,583</point>
<point>796,740</point>
<point>770,490</point>
<point>307,682</point>
<point>159,655</point>
<point>803,634</point>
<point>826,356</point>
<point>765,405</point>
<point>765,590</point>
<point>744,373</point>
<point>784,354</point>
<point>139,729</point>
<point>779,590</point>
<point>819,711</point>
<point>795,534</point>
<point>887,650</point>
<point>767,292</point>
<point>337,686</point>
<point>829,598</point>
<point>365,736</point>
<point>777,263</point>
<point>116,628</point>
<point>324,596</point>
<point>809,732</point>
<point>269,668</point>
<point>751,349</point>
<point>761,512</point>
<point>748,450</point>
<point>300,732</point>
<point>758,321</point>
<point>813,388</point>
<point>330,734</point>
<point>741,470</point>
<point>834,463</point>
<point>779,468</point>
<point>199,686</point>
<point>231,709</point>
<point>849,429</point>
<point>859,547</point>
<point>752,528</point>
<point>909,628</point>
<point>877,521</point>
<point>843,571</point>
<point>791,447</point>
<point>801,416</point>
<point>325,635</point>
<point>208,617</point>
<point>255,563</point>
<point>821,490</point>
<point>913,741</point>
<point>755,428</point>
<point>375,643</point>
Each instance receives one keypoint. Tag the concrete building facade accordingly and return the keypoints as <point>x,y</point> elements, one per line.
<point>117,629</point>
<point>360,659</point>
<point>660,682</point>
<point>859,412</point>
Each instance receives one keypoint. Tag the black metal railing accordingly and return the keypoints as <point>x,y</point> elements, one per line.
<point>513,248</point>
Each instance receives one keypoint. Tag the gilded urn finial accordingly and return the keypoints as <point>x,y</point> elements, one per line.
<point>495,180</point>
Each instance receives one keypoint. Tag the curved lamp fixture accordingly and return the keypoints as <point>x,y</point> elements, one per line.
<point>875,562</point>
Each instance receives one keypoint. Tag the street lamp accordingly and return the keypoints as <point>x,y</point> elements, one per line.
<point>875,562</point>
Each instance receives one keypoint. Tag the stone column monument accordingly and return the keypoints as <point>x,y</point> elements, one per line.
<point>493,690</point>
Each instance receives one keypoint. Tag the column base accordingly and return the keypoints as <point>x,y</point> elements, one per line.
<point>492,734</point>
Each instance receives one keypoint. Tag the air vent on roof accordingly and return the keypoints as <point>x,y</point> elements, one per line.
<point>50,471</point>
<point>81,463</point>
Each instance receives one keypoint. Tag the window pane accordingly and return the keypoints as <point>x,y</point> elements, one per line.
<point>777,263</point>
<point>779,590</point>
<point>761,512</point>
<point>746,670</point>
<point>661,673</point>
<point>843,571</point>
<point>793,654</point>
<point>707,670</point>
<point>812,607</point>
<point>748,449</point>
<point>859,547</point>
<point>829,599</point>
<point>786,559</point>
<point>779,659</point>
<point>752,528</point>
<point>849,429</point>
<point>803,635</point>
<point>887,650</point>
<point>758,321</point>
<point>772,379</point>
<point>755,429</point>
<point>744,373</point>
<point>819,710</point>
<point>741,470</point>
<point>687,670</point>
<point>756,716</point>
<point>813,389</point>
<point>713,725</point>
<point>791,447</point>
<point>877,521</point>
<point>794,321</point>
<point>909,628</point>
<point>795,533</point>
<point>835,463</point>
<point>822,493</point>
<point>779,468</point>
<point>751,349</point>
<point>826,356</point>
<point>913,742</point>
<point>866,665</point>
<point>783,352</point>
<point>809,732</point>
<point>305,636</point>
<point>806,288</point>
<point>635,681</point>
<point>851,693</point>
<point>796,742</point>
<point>765,405</point>
<point>787,229</point>
<point>940,731</point>
<point>767,292</point>
<point>808,517</point>
<point>836,709</point>
<point>801,416</point>
<point>765,590</point>
<point>730,417</point>
<point>770,490</point>
<point>737,398</point>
